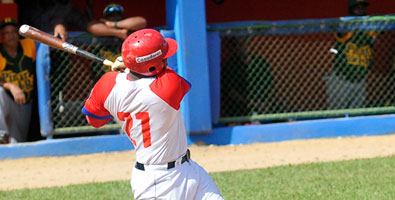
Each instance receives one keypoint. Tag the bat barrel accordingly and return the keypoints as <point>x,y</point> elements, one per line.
<point>50,40</point>
<point>41,36</point>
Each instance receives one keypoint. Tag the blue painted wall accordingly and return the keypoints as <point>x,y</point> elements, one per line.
<point>355,126</point>
<point>214,65</point>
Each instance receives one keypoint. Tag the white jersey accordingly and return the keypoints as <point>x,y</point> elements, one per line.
<point>148,111</point>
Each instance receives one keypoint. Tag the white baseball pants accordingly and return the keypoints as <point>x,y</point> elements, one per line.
<point>187,181</point>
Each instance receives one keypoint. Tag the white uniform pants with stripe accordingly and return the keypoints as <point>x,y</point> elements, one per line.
<point>187,181</point>
<point>14,118</point>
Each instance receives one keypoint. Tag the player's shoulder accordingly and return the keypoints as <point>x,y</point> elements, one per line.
<point>342,37</point>
<point>170,87</point>
<point>3,61</point>
<point>104,86</point>
<point>110,75</point>
<point>168,72</point>
<point>372,34</point>
<point>28,43</point>
<point>170,78</point>
<point>29,47</point>
<point>108,80</point>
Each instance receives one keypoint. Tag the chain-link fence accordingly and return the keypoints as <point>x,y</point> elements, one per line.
<point>269,71</point>
<point>72,78</point>
<point>273,71</point>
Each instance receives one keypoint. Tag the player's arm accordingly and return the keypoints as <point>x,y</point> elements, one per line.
<point>16,91</point>
<point>96,114</point>
<point>95,120</point>
<point>131,23</point>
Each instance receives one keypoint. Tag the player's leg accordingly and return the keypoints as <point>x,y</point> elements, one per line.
<point>185,181</point>
<point>358,95</point>
<point>143,184</point>
<point>337,91</point>
<point>180,182</point>
<point>19,121</point>
<point>5,100</point>
<point>207,189</point>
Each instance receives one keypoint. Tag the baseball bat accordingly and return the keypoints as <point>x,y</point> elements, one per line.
<point>50,40</point>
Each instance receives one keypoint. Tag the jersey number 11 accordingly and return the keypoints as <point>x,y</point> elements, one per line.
<point>144,117</point>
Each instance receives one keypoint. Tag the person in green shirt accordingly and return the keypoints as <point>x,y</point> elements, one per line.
<point>345,84</point>
<point>17,70</point>
<point>247,82</point>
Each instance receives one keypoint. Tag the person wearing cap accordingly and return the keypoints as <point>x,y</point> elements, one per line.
<point>357,7</point>
<point>146,104</point>
<point>345,84</point>
<point>114,23</point>
<point>17,71</point>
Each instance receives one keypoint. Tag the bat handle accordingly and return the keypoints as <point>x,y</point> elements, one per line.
<point>88,55</point>
<point>108,62</point>
<point>93,57</point>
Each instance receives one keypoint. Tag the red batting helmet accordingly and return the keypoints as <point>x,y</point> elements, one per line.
<point>144,50</point>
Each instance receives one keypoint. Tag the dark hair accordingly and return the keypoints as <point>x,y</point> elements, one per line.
<point>112,9</point>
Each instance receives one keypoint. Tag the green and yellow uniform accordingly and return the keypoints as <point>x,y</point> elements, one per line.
<point>354,58</point>
<point>21,69</point>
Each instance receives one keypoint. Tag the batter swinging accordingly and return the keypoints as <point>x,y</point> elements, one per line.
<point>146,102</point>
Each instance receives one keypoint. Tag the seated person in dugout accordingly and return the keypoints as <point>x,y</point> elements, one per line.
<point>114,23</point>
<point>17,65</point>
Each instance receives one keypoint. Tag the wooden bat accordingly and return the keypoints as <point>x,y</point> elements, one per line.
<point>50,40</point>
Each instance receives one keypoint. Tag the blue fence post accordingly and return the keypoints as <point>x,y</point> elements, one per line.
<point>188,20</point>
<point>43,88</point>
<point>214,63</point>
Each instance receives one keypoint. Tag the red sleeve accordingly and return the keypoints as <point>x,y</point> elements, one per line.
<point>170,87</point>
<point>97,115</point>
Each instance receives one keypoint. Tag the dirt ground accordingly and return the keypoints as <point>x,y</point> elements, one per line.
<point>60,171</point>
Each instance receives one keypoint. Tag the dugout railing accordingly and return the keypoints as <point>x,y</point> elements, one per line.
<point>268,72</point>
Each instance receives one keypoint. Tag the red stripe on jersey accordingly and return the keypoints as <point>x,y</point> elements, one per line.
<point>170,87</point>
<point>144,117</point>
<point>125,116</point>
<point>129,124</point>
<point>95,103</point>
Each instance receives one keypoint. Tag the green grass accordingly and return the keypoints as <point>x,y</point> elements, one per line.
<point>356,179</point>
<point>371,179</point>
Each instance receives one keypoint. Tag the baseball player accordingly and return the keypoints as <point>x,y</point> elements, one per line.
<point>17,69</point>
<point>346,83</point>
<point>146,103</point>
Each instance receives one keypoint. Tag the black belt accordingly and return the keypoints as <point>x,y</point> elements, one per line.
<point>171,164</point>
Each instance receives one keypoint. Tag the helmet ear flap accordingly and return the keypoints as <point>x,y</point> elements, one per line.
<point>151,69</point>
<point>156,67</point>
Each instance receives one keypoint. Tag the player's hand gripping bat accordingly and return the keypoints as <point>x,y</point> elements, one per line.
<point>50,40</point>
<point>119,65</point>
